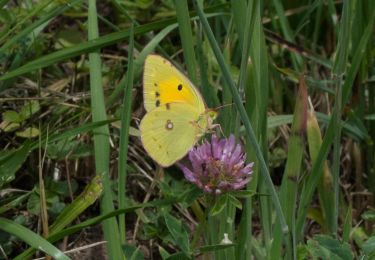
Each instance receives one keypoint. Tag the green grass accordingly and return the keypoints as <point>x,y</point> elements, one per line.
<point>293,81</point>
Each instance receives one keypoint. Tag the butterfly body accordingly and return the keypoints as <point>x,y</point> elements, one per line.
<point>176,114</point>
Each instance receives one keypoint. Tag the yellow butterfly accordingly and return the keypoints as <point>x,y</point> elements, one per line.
<point>176,114</point>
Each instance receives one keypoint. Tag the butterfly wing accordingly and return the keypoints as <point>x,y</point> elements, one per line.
<point>163,83</point>
<point>168,132</point>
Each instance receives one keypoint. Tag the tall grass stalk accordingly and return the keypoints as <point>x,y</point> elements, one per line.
<point>370,151</point>
<point>289,187</point>
<point>186,36</point>
<point>287,32</point>
<point>260,86</point>
<point>248,127</point>
<point>101,138</point>
<point>42,190</point>
<point>126,115</point>
<point>339,69</point>
<point>245,14</point>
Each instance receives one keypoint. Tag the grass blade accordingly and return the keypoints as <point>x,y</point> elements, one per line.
<point>31,238</point>
<point>126,115</point>
<point>287,31</point>
<point>243,248</point>
<point>101,139</point>
<point>289,186</point>
<point>186,35</point>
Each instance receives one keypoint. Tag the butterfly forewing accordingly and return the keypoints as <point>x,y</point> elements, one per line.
<point>169,132</point>
<point>163,83</point>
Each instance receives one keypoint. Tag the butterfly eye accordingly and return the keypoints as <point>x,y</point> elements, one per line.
<point>212,114</point>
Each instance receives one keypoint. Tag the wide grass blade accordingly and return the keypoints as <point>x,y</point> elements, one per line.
<point>339,69</point>
<point>101,139</point>
<point>31,238</point>
<point>248,15</point>
<point>186,35</point>
<point>289,187</point>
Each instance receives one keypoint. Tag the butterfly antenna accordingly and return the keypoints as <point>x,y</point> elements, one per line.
<point>222,106</point>
<point>226,105</point>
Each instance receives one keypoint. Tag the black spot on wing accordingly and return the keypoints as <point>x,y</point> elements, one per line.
<point>168,106</point>
<point>157,94</point>
<point>179,87</point>
<point>157,103</point>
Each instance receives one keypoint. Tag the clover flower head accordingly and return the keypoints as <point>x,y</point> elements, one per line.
<point>219,166</point>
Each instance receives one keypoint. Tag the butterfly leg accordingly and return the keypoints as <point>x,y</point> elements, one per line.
<point>214,127</point>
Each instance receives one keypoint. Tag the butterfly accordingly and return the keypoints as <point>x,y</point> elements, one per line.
<point>176,115</point>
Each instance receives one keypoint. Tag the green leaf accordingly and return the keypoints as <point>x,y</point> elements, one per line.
<point>29,109</point>
<point>14,203</point>
<point>219,205</point>
<point>211,248</point>
<point>12,116</point>
<point>68,38</point>
<point>369,247</point>
<point>133,253</point>
<point>33,204</point>
<point>11,120</point>
<point>12,162</point>
<point>178,256</point>
<point>178,232</point>
<point>191,194</point>
<point>243,193</point>
<point>30,132</point>
<point>329,248</point>
<point>163,253</point>
<point>370,117</point>
<point>369,215</point>
<point>9,126</point>
<point>233,200</point>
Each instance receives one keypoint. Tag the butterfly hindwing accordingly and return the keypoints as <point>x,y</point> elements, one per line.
<point>163,83</point>
<point>169,132</point>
